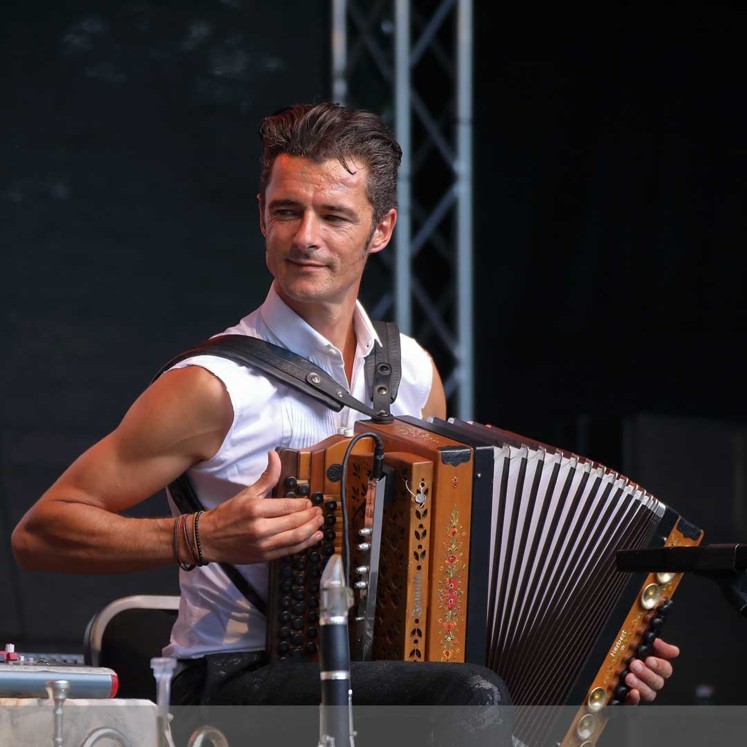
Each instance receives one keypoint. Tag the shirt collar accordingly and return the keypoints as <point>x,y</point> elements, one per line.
<point>294,333</point>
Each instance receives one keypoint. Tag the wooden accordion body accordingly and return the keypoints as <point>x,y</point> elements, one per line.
<point>494,549</point>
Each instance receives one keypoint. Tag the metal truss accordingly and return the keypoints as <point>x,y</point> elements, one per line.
<point>411,61</point>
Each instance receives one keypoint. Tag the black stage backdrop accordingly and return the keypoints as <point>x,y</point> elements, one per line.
<point>610,161</point>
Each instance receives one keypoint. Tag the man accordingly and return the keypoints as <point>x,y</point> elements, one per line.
<point>327,201</point>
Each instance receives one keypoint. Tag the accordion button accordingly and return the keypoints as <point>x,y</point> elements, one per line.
<point>615,702</point>
<point>299,579</point>
<point>299,595</point>
<point>297,639</point>
<point>286,572</point>
<point>643,651</point>
<point>330,506</point>
<point>290,482</point>
<point>312,618</point>
<point>312,603</point>
<point>313,588</point>
<point>649,638</point>
<point>328,549</point>
<point>597,699</point>
<point>298,609</point>
<point>315,572</point>
<point>312,633</point>
<point>664,608</point>
<point>311,648</point>
<point>284,633</point>
<point>314,557</point>
<point>283,648</point>
<point>304,490</point>
<point>297,623</point>
<point>650,596</point>
<point>330,520</point>
<point>317,498</point>
<point>286,586</point>
<point>621,692</point>
<point>656,623</point>
<point>284,616</point>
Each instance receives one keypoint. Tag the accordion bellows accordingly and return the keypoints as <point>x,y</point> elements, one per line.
<point>500,550</point>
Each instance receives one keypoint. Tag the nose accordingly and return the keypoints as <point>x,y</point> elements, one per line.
<point>307,233</point>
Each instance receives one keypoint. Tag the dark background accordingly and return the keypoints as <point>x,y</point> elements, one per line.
<point>610,223</point>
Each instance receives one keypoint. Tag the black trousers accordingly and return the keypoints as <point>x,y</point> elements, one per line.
<point>447,704</point>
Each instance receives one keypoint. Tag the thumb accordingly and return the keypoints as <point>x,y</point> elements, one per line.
<point>269,478</point>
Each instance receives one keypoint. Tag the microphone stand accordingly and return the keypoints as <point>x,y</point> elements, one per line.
<point>336,710</point>
<point>724,564</point>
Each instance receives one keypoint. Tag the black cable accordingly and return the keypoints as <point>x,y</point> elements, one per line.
<point>376,472</point>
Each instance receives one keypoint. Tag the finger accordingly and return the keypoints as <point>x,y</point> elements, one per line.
<point>644,680</point>
<point>662,667</point>
<point>273,508</point>
<point>269,529</point>
<point>665,650</point>
<point>633,697</point>
<point>279,543</point>
<point>294,548</point>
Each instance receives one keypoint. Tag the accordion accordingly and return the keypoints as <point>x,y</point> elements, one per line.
<point>486,547</point>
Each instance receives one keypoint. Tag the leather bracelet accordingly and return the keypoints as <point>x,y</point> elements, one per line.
<point>184,519</point>
<point>182,565</point>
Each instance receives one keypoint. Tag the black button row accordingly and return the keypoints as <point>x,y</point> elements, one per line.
<point>642,650</point>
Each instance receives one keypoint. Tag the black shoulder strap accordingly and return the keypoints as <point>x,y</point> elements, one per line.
<point>384,367</point>
<point>383,373</point>
<point>283,365</point>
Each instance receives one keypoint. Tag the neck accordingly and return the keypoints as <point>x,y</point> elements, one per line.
<point>332,321</point>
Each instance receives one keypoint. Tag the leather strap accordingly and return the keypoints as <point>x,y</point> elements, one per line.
<point>283,365</point>
<point>384,368</point>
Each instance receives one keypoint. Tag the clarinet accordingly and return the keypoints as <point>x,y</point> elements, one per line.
<point>336,710</point>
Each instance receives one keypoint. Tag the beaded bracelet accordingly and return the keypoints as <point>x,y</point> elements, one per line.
<point>200,559</point>
<point>182,565</point>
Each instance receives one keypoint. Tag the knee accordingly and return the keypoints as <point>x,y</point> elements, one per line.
<point>482,686</point>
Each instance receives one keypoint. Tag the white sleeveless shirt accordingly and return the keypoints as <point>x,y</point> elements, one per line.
<point>213,615</point>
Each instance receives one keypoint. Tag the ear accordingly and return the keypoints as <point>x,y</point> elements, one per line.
<point>383,232</point>
<point>261,206</point>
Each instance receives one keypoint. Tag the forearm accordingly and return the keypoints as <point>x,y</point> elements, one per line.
<point>72,537</point>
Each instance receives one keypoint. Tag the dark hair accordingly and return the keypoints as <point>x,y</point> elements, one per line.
<point>327,131</point>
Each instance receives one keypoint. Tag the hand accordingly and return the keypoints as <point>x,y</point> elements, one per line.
<point>252,527</point>
<point>647,677</point>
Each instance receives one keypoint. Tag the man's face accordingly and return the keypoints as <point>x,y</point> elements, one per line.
<point>317,222</point>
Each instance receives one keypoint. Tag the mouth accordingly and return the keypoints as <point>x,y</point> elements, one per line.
<point>305,264</point>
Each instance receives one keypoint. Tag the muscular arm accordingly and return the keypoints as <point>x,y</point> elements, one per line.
<point>77,526</point>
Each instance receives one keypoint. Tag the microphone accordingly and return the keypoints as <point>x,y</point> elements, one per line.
<point>336,710</point>
<point>725,564</point>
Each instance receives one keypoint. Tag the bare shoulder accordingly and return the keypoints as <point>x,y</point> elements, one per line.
<point>186,409</point>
